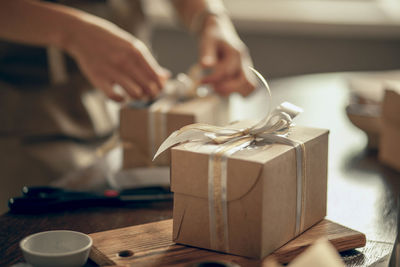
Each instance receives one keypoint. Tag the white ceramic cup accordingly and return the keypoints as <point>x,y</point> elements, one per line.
<point>60,248</point>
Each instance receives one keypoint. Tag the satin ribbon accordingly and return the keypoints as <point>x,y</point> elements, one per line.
<point>217,192</point>
<point>157,121</point>
<point>273,128</point>
<point>182,88</point>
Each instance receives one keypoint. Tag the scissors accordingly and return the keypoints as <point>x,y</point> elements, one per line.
<point>47,198</point>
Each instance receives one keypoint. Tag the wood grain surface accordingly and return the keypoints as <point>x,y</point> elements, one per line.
<point>151,245</point>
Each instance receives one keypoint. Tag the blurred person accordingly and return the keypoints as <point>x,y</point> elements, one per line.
<point>51,120</point>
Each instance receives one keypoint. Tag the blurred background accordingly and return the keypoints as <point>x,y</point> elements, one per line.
<point>290,37</point>
<point>285,38</point>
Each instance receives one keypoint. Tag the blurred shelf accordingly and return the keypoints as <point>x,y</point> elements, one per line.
<point>352,18</point>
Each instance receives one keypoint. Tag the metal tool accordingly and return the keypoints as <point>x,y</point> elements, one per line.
<point>46,198</point>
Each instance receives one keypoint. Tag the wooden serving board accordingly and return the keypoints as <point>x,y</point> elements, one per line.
<point>151,245</point>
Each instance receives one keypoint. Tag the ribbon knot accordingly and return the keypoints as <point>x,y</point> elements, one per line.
<point>277,124</point>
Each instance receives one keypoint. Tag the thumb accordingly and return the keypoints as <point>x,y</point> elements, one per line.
<point>208,53</point>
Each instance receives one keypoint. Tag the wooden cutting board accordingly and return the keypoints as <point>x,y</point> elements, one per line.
<point>151,245</point>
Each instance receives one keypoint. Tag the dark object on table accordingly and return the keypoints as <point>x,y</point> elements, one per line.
<point>45,198</point>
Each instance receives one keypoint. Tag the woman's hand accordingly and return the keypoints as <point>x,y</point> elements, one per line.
<point>109,56</point>
<point>222,50</point>
<point>106,54</point>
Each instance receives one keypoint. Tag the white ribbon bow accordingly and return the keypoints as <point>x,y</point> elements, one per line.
<point>273,127</point>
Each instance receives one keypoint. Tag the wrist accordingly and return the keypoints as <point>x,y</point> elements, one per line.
<point>75,27</point>
<point>62,39</point>
<point>69,27</point>
<point>206,18</point>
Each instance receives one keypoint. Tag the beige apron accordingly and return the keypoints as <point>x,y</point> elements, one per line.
<point>51,119</point>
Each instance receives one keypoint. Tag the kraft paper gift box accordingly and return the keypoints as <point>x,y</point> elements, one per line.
<point>142,129</point>
<point>261,194</point>
<point>389,146</point>
<point>247,188</point>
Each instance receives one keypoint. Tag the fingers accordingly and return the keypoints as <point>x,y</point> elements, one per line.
<point>148,86</point>
<point>221,71</point>
<point>148,68</point>
<point>108,89</point>
<point>118,86</point>
<point>101,79</point>
<point>230,71</point>
<point>108,55</point>
<point>231,75</point>
<point>135,88</point>
<point>141,77</point>
<point>208,53</point>
<point>238,83</point>
<point>227,66</point>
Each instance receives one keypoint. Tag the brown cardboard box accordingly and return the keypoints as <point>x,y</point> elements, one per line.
<point>261,193</point>
<point>138,145</point>
<point>389,147</point>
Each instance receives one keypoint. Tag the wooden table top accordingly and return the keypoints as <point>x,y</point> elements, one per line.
<point>362,193</point>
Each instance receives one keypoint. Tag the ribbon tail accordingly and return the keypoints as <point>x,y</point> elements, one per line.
<point>262,80</point>
<point>169,142</point>
<point>179,137</point>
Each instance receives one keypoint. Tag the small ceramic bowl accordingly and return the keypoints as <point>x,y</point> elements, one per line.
<point>61,248</point>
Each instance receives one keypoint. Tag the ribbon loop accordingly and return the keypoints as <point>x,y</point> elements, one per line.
<point>278,123</point>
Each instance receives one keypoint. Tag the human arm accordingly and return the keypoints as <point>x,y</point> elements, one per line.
<point>220,47</point>
<point>106,54</point>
